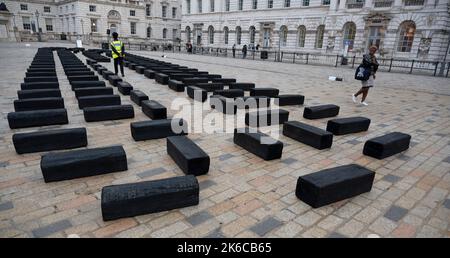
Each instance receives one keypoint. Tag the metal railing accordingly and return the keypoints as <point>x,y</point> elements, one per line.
<point>383,3</point>
<point>411,66</point>
<point>414,2</point>
<point>354,4</point>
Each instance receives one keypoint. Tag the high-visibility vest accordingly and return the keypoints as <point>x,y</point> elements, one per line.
<point>118,46</point>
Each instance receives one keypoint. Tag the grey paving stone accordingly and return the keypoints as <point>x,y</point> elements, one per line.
<point>152,172</point>
<point>6,206</point>
<point>395,213</point>
<point>391,178</point>
<point>447,204</point>
<point>289,161</point>
<point>354,142</point>
<point>199,218</point>
<point>4,164</point>
<point>336,235</point>
<point>52,228</point>
<point>216,233</point>
<point>225,156</point>
<point>206,184</point>
<point>266,226</point>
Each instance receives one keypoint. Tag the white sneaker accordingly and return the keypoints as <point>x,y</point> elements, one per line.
<point>364,103</point>
<point>354,98</point>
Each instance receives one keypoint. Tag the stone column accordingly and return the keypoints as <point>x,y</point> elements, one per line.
<point>342,4</point>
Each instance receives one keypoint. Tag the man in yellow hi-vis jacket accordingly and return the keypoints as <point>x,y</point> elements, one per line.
<point>118,52</point>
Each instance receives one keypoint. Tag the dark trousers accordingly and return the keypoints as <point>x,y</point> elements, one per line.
<point>118,61</point>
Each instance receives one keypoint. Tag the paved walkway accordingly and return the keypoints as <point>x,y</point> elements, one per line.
<point>242,195</point>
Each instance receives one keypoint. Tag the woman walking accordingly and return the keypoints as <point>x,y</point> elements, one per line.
<point>369,62</point>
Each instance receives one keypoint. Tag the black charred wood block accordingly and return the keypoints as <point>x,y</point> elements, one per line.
<point>191,159</point>
<point>82,78</point>
<point>348,125</point>
<point>210,87</point>
<point>162,78</point>
<point>103,113</point>
<point>387,145</point>
<point>140,69</point>
<point>138,96</point>
<point>197,93</point>
<point>149,73</point>
<point>245,86</point>
<point>290,99</point>
<point>124,87</point>
<point>232,93</point>
<point>258,143</point>
<point>39,85</point>
<point>44,93</point>
<point>87,84</point>
<point>177,86</point>
<point>40,74</point>
<point>114,79</point>
<point>38,104</point>
<point>268,92</point>
<point>92,91</point>
<point>44,117</point>
<point>98,100</point>
<point>265,117</point>
<point>251,102</point>
<point>41,79</point>
<point>156,129</point>
<point>307,134</point>
<point>322,111</point>
<point>154,109</point>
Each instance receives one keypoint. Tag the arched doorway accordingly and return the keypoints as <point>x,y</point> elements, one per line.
<point>113,21</point>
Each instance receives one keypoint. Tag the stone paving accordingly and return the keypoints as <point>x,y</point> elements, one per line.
<point>243,195</point>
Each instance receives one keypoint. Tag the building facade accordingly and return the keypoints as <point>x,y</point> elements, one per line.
<point>135,21</point>
<point>410,29</point>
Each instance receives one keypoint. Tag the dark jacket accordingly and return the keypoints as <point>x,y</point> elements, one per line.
<point>370,62</point>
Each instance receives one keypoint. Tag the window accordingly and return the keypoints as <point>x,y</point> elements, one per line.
<point>47,9</point>
<point>374,36</point>
<point>406,36</point>
<point>174,34</point>
<point>23,7</point>
<point>200,7</point>
<point>211,5</point>
<point>164,33</point>
<point>133,28</point>
<point>252,35</point>
<point>132,13</point>
<point>164,11</point>
<point>73,7</point>
<point>227,5</point>
<point>349,35</point>
<point>283,36</point>
<point>225,35</point>
<point>269,3</point>
<point>149,32</point>
<point>148,9</point>
<point>92,8</point>
<point>238,35</point>
<point>26,23</point>
<point>414,2</point>
<point>319,36</point>
<point>325,2</point>
<point>48,24</point>
<point>188,34</point>
<point>354,4</point>
<point>287,3</point>
<point>211,34</point>
<point>174,12</point>
<point>305,2</point>
<point>301,36</point>
<point>240,5</point>
<point>188,6</point>
<point>93,25</point>
<point>255,4</point>
<point>67,8</point>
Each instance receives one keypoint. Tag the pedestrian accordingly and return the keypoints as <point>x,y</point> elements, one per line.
<point>369,63</point>
<point>234,50</point>
<point>257,47</point>
<point>118,53</point>
<point>244,51</point>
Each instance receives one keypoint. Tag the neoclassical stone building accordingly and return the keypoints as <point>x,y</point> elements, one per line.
<point>412,29</point>
<point>135,21</point>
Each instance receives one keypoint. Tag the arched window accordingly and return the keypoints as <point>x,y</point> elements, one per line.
<point>319,36</point>
<point>349,35</point>
<point>301,35</point>
<point>211,34</point>
<point>406,36</point>
<point>149,32</point>
<point>164,33</point>
<point>188,34</point>
<point>225,35</point>
<point>238,35</point>
<point>252,32</point>
<point>283,35</point>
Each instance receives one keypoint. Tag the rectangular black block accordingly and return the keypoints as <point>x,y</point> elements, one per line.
<point>41,79</point>
<point>194,80</point>
<point>154,109</point>
<point>387,145</point>
<point>77,73</point>
<point>138,96</point>
<point>232,93</point>
<point>124,87</point>
<point>103,113</point>
<point>197,93</point>
<point>348,125</point>
<point>222,104</point>
<point>114,80</point>
<point>140,69</point>
<point>82,78</point>
<point>210,87</point>
<point>225,81</point>
<point>268,92</point>
<point>258,143</point>
<point>264,117</point>
<point>106,74</point>
<point>48,140</point>
<point>322,111</point>
<point>335,184</point>
<point>44,93</point>
<point>177,86</point>
<point>191,159</point>
<point>87,84</point>
<point>98,100</point>
<point>40,74</point>
<point>290,99</point>
<point>251,102</point>
<point>39,85</point>
<point>162,78</point>
<point>82,163</point>
<point>149,73</point>
<point>156,129</point>
<point>37,118</point>
<point>92,91</point>
<point>307,134</point>
<point>132,66</point>
<point>38,104</point>
<point>128,200</point>
<point>245,86</point>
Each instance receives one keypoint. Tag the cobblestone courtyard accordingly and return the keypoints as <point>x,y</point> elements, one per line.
<point>243,195</point>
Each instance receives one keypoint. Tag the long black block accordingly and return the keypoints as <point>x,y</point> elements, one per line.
<point>82,78</point>
<point>40,74</point>
<point>37,118</point>
<point>194,80</point>
<point>82,163</point>
<point>187,155</point>
<point>156,129</point>
<point>140,69</point>
<point>39,85</point>
<point>335,184</point>
<point>132,66</point>
<point>161,78</point>
<point>124,87</point>
<point>44,93</point>
<point>210,87</point>
<point>322,111</point>
<point>246,86</point>
<point>149,73</point>
<point>197,93</point>
<point>290,99</point>
<point>38,104</point>
<point>176,85</point>
<point>250,102</point>
<point>106,74</point>
<point>114,79</point>
<point>87,84</point>
<point>222,104</point>
<point>154,109</point>
<point>307,134</point>
<point>41,79</point>
<point>264,117</point>
<point>232,93</point>
<point>138,96</point>
<point>258,143</point>
<point>98,100</point>
<point>102,113</point>
<point>387,145</point>
<point>78,73</point>
<point>92,91</point>
<point>49,140</point>
<point>348,125</point>
<point>180,76</point>
<point>225,81</point>
<point>128,200</point>
<point>268,92</point>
